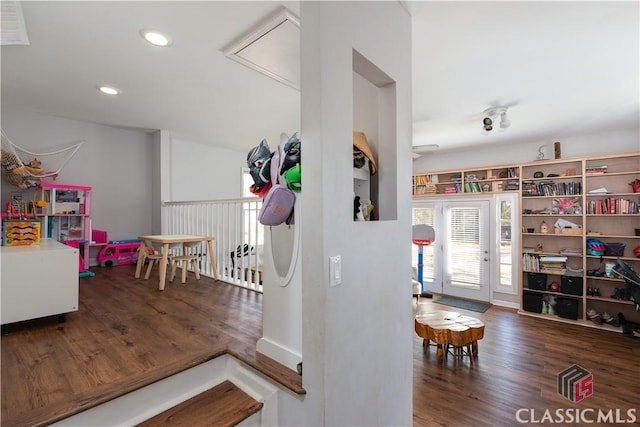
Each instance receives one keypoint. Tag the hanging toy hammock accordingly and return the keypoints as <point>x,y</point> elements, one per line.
<point>28,174</point>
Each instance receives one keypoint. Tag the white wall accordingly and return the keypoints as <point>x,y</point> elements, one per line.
<point>201,172</point>
<point>616,141</point>
<point>126,169</point>
<point>357,336</point>
<point>115,162</point>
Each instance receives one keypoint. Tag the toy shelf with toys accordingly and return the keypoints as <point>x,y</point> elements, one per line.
<point>20,226</point>
<point>65,211</point>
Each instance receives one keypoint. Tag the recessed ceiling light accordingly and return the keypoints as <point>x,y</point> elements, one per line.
<point>155,37</point>
<point>109,90</point>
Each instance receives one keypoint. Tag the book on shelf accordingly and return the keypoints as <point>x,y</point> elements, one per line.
<point>530,263</point>
<point>512,185</point>
<point>553,258</point>
<point>430,189</point>
<point>472,187</point>
<point>551,188</point>
<point>611,205</point>
<point>554,271</point>
<point>595,170</point>
<point>571,251</point>
<point>601,190</point>
<point>450,190</point>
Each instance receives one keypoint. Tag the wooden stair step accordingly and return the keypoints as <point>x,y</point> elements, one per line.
<point>222,405</point>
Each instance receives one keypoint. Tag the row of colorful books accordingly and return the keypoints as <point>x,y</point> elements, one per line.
<point>595,170</point>
<point>550,188</point>
<point>611,205</point>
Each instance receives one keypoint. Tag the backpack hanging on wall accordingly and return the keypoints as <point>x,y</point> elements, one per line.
<point>277,205</point>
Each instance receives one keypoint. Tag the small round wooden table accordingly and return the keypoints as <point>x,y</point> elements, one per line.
<point>449,328</point>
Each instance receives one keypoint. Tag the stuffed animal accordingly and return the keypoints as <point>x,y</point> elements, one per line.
<point>23,176</point>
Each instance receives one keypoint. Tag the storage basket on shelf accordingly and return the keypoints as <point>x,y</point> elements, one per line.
<point>614,249</point>
<point>537,281</point>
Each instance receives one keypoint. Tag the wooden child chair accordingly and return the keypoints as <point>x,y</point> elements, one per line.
<point>189,257</point>
<point>153,254</point>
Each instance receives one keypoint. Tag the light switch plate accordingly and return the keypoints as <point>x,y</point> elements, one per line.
<point>335,270</point>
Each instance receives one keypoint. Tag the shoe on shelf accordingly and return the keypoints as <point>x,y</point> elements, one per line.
<point>594,316</point>
<point>621,318</point>
<point>608,319</point>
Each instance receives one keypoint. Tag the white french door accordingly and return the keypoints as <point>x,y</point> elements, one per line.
<point>458,261</point>
<point>467,259</point>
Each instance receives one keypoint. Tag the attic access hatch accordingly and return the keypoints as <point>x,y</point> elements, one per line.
<point>12,26</point>
<point>272,48</point>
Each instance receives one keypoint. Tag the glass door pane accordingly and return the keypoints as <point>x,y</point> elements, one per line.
<point>467,264</point>
<point>504,209</point>
<point>506,236</point>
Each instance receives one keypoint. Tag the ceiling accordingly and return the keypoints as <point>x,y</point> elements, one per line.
<point>561,68</point>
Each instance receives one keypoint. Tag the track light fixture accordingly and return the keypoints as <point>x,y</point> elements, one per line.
<point>490,116</point>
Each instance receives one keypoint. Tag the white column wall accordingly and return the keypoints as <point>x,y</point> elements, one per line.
<point>357,336</point>
<point>282,301</point>
<point>160,144</point>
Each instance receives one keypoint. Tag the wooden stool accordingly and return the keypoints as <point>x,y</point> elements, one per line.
<point>460,339</point>
<point>189,257</point>
<point>476,328</point>
<point>448,328</point>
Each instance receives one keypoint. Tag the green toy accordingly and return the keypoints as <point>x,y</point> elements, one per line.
<point>293,177</point>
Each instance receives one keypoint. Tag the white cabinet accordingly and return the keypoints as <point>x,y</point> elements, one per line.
<point>38,280</point>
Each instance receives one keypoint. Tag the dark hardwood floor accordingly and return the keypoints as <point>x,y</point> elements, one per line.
<point>517,366</point>
<point>127,334</point>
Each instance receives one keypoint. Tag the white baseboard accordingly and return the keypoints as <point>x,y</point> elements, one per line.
<point>507,304</point>
<point>279,353</point>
